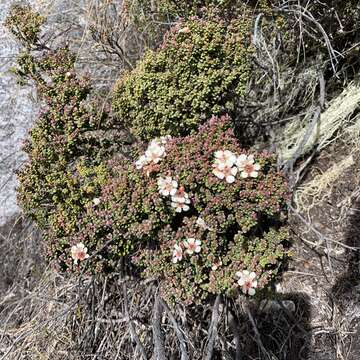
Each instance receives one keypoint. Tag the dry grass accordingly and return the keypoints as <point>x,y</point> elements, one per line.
<point>320,187</point>
<point>336,117</point>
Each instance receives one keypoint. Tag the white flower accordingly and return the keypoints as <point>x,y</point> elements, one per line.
<point>177,254</point>
<point>180,200</point>
<point>154,152</point>
<point>167,186</point>
<point>79,252</point>
<point>141,162</point>
<point>192,245</point>
<point>96,201</point>
<point>181,196</point>
<point>179,207</point>
<point>247,281</point>
<point>224,158</point>
<point>228,173</point>
<point>247,167</point>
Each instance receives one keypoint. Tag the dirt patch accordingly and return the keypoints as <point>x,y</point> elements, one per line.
<point>325,265</point>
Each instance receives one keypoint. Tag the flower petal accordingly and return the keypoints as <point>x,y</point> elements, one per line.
<point>230,179</point>
<point>251,292</point>
<point>252,275</point>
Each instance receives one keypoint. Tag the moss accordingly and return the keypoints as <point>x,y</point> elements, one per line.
<point>201,70</point>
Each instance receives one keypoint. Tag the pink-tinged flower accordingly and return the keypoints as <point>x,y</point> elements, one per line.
<point>180,196</point>
<point>247,167</point>
<point>79,252</point>
<point>228,173</point>
<point>192,245</point>
<point>154,152</point>
<point>177,254</point>
<point>216,265</point>
<point>224,158</point>
<point>141,162</point>
<point>179,207</point>
<point>247,281</point>
<point>96,201</point>
<point>167,186</point>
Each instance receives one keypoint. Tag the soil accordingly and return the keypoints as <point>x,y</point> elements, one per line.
<point>324,272</point>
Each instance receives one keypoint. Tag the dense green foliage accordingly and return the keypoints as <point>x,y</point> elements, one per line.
<point>69,143</point>
<point>66,147</point>
<point>25,24</point>
<point>201,70</point>
<point>176,9</point>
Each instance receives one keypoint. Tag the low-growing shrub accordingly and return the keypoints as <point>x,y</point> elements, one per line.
<point>66,146</point>
<point>176,9</point>
<point>227,217</point>
<point>25,24</point>
<point>201,70</point>
<point>69,142</point>
<point>199,212</point>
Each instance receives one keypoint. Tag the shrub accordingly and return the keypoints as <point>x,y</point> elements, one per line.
<point>68,144</point>
<point>201,70</point>
<point>237,219</point>
<point>66,147</point>
<point>144,12</point>
<point>65,139</point>
<point>24,24</point>
<point>198,212</point>
<point>178,9</point>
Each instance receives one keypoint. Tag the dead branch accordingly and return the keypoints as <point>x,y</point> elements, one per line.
<point>159,347</point>
<point>178,331</point>
<point>212,332</point>
<point>133,333</point>
<point>234,326</point>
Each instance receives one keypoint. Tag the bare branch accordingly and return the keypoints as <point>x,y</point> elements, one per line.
<point>212,332</point>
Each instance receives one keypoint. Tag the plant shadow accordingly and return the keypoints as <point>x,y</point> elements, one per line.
<point>283,329</point>
<point>346,291</point>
